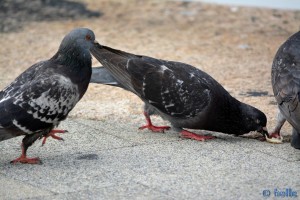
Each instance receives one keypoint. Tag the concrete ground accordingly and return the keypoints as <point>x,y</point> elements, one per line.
<point>111,160</point>
<point>104,155</point>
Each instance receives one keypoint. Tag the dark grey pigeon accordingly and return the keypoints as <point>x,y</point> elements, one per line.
<point>178,92</point>
<point>45,93</point>
<point>286,86</point>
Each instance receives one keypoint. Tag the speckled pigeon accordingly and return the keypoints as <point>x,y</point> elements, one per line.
<point>43,95</point>
<point>178,92</point>
<point>286,86</point>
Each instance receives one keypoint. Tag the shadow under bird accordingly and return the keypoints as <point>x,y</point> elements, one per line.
<point>286,86</point>
<point>178,92</point>
<point>43,95</point>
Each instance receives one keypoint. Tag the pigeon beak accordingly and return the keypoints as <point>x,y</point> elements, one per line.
<point>264,132</point>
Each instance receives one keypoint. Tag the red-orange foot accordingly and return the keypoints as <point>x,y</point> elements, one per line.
<point>52,134</point>
<point>190,135</point>
<point>274,135</point>
<point>25,160</point>
<point>160,129</point>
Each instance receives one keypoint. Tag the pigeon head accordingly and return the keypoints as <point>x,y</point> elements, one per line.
<point>82,38</point>
<point>74,49</point>
<point>255,120</point>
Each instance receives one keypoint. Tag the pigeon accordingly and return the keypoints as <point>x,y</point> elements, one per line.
<point>43,95</point>
<point>285,77</point>
<point>183,95</point>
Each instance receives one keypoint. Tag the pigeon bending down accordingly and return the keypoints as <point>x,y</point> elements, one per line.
<point>178,92</point>
<point>43,95</point>
<point>286,86</point>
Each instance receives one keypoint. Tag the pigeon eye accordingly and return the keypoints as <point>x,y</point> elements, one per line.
<point>88,37</point>
<point>257,121</point>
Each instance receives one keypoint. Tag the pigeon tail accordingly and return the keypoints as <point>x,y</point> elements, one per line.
<point>5,135</point>
<point>116,62</point>
<point>103,76</point>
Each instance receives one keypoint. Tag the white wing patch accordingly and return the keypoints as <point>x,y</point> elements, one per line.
<point>5,98</point>
<point>7,92</point>
<point>53,104</point>
<point>164,68</point>
<point>170,105</point>
<point>22,128</point>
<point>179,82</point>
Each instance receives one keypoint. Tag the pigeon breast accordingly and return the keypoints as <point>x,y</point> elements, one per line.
<point>286,79</point>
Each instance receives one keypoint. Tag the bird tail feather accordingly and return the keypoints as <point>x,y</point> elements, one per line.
<point>116,62</point>
<point>102,75</point>
<point>5,135</point>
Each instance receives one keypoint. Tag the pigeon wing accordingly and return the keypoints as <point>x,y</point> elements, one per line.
<point>37,104</point>
<point>176,89</point>
<point>171,87</point>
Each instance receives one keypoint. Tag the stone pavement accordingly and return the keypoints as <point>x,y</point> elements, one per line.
<point>113,160</point>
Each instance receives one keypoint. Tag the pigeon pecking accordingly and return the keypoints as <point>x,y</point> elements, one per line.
<point>178,92</point>
<point>286,86</point>
<point>43,95</point>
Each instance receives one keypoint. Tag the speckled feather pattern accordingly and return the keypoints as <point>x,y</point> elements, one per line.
<point>44,94</point>
<point>286,84</point>
<point>286,78</point>
<point>180,93</point>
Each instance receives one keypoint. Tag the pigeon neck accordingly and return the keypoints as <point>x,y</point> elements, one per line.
<point>75,57</point>
<point>231,118</point>
<point>75,63</point>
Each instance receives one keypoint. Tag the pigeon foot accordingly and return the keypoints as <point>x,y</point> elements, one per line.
<point>25,160</point>
<point>158,129</point>
<point>52,134</point>
<point>151,127</point>
<point>190,135</point>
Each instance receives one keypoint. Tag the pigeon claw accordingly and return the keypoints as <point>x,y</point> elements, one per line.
<point>190,135</point>
<point>157,129</point>
<point>52,134</point>
<point>25,160</point>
